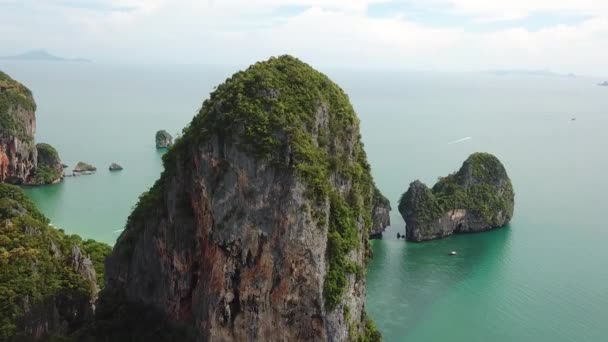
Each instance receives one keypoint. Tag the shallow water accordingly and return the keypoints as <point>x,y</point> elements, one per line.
<point>544,278</point>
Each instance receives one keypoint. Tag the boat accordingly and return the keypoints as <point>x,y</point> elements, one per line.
<point>453,253</point>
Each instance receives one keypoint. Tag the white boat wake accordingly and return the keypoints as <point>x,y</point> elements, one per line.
<point>459,140</point>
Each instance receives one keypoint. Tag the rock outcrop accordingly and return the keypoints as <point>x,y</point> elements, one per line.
<point>84,266</point>
<point>17,127</point>
<point>163,139</point>
<point>258,228</point>
<point>115,167</point>
<point>49,169</point>
<point>381,217</point>
<point>84,168</point>
<point>48,280</point>
<point>477,198</point>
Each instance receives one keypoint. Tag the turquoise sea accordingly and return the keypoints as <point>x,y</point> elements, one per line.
<point>543,278</point>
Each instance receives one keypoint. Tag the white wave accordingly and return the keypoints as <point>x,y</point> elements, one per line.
<point>118,230</point>
<point>459,140</point>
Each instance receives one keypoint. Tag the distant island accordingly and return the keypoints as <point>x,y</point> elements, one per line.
<point>42,55</point>
<point>524,72</point>
<point>603,84</point>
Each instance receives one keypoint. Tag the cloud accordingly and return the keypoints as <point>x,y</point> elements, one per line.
<point>323,32</point>
<point>500,10</point>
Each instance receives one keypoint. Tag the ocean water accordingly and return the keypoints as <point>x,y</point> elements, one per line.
<point>542,278</point>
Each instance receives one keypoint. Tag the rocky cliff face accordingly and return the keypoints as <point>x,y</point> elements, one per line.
<point>258,228</point>
<point>66,309</point>
<point>163,139</point>
<point>17,127</point>
<point>478,197</point>
<point>48,280</point>
<point>380,216</point>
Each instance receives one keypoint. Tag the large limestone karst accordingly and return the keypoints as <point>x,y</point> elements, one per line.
<point>21,160</point>
<point>477,198</point>
<point>258,228</point>
<point>17,127</point>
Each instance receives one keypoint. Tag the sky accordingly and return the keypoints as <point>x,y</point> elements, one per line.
<point>566,36</point>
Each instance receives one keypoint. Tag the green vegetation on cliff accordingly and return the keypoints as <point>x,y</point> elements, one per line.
<point>48,169</point>
<point>370,332</point>
<point>14,95</point>
<point>421,201</point>
<point>35,261</point>
<point>46,151</point>
<point>45,175</point>
<point>481,186</point>
<point>380,199</point>
<point>271,111</point>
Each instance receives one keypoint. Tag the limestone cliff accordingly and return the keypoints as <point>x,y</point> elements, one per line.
<point>380,216</point>
<point>17,127</point>
<point>478,197</point>
<point>258,228</point>
<point>48,280</point>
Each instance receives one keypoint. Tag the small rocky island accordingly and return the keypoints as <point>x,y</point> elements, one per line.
<point>115,167</point>
<point>49,168</point>
<point>163,139</point>
<point>83,168</point>
<point>477,198</point>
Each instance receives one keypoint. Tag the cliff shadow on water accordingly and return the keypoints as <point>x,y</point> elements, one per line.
<point>407,280</point>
